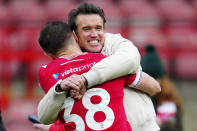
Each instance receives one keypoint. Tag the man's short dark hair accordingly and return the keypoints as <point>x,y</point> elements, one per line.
<point>85,8</point>
<point>54,35</point>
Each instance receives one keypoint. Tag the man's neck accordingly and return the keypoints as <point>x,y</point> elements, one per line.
<point>71,50</point>
<point>70,54</point>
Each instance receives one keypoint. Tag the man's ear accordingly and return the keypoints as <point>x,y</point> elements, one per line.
<point>75,37</point>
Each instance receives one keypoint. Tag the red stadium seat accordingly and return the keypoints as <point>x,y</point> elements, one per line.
<point>185,66</point>
<point>182,37</point>
<point>32,56</point>
<point>5,38</point>
<point>114,15</point>
<point>182,40</point>
<point>6,70</point>
<point>3,35</point>
<point>144,35</point>
<point>11,44</point>
<point>1,68</point>
<point>194,4</point>
<point>140,12</point>
<point>113,29</point>
<point>58,9</point>
<point>30,34</point>
<point>175,10</point>
<point>4,14</point>
<point>16,41</point>
<point>28,11</point>
<point>17,113</point>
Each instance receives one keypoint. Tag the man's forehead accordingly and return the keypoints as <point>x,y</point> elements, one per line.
<point>89,19</point>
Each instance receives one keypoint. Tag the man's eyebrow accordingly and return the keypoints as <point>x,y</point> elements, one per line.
<point>85,26</point>
<point>99,26</point>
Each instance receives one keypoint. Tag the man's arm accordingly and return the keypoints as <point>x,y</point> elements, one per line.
<point>149,85</point>
<point>50,105</point>
<point>123,58</point>
<point>145,83</point>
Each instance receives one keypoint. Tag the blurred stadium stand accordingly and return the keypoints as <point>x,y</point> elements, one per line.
<point>58,9</point>
<point>170,25</point>
<point>176,11</point>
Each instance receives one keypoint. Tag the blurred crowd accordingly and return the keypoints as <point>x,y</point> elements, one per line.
<point>168,103</point>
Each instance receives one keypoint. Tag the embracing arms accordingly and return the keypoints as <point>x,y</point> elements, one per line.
<point>123,59</point>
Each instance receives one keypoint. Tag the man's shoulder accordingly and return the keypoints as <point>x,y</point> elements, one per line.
<point>112,35</point>
<point>89,56</point>
<point>111,38</point>
<point>51,65</point>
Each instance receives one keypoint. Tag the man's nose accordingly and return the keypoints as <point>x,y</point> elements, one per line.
<point>94,33</point>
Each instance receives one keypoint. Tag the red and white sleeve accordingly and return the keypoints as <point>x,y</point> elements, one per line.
<point>132,80</point>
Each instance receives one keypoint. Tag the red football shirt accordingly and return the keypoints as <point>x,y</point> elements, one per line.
<point>101,107</point>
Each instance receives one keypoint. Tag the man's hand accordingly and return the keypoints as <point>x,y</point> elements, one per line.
<point>41,127</point>
<point>78,94</point>
<point>77,85</point>
<point>72,82</point>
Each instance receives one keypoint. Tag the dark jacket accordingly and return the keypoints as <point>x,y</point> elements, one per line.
<point>2,128</point>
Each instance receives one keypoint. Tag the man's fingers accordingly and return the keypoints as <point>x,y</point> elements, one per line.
<point>74,85</point>
<point>78,97</point>
<point>79,79</point>
<point>41,127</point>
<point>75,94</point>
<point>83,90</point>
<point>74,81</point>
<point>69,83</point>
